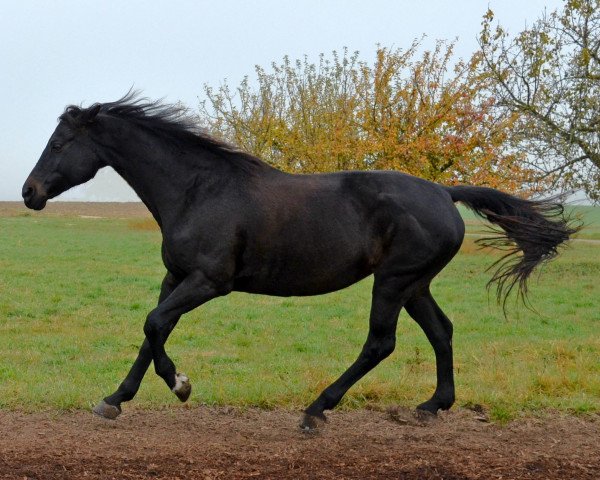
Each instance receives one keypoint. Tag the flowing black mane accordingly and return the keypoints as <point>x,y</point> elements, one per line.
<point>173,122</point>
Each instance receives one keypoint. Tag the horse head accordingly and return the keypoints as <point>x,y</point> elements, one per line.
<point>70,158</point>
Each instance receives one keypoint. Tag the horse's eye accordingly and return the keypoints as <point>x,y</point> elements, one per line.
<point>56,147</point>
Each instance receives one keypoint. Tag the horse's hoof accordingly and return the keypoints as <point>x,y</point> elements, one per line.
<point>422,414</point>
<point>312,423</point>
<point>429,407</point>
<point>106,410</point>
<point>425,417</point>
<point>182,387</point>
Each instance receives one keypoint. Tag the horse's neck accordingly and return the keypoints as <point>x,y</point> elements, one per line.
<point>168,178</point>
<point>155,175</point>
<point>169,182</point>
<point>140,186</point>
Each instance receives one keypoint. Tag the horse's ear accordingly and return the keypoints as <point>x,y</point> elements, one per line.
<point>91,113</point>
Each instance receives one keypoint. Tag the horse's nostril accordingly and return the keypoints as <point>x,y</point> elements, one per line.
<point>28,191</point>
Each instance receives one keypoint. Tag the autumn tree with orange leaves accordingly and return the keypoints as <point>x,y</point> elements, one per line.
<point>414,112</point>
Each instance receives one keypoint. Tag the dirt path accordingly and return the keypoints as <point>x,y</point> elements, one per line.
<point>82,209</point>
<point>215,443</point>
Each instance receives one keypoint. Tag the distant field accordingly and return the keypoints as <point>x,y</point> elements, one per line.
<point>77,209</point>
<point>75,292</point>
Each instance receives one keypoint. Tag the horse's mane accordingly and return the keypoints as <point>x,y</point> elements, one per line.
<point>174,122</point>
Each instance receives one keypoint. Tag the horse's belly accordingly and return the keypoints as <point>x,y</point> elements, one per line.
<point>290,286</point>
<point>303,273</point>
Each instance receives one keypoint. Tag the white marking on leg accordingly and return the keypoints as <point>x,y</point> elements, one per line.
<point>180,380</point>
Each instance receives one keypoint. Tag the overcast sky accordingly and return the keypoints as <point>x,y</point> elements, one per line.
<point>55,53</point>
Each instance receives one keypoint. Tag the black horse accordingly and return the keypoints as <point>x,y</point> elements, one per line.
<point>232,222</point>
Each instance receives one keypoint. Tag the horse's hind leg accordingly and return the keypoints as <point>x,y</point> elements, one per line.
<point>110,407</point>
<point>423,309</point>
<point>386,304</point>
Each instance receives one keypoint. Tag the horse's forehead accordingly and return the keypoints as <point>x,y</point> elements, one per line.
<point>63,130</point>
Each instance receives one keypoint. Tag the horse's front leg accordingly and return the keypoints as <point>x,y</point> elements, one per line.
<point>176,299</point>
<point>193,291</point>
<point>110,407</point>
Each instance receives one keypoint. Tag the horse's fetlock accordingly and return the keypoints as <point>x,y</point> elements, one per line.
<point>445,399</point>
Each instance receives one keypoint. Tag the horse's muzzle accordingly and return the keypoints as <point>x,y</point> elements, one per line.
<point>34,195</point>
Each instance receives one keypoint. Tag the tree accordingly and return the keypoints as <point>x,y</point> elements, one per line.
<point>549,76</point>
<point>408,111</point>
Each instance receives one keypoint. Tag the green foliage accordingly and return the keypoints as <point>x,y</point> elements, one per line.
<point>410,111</point>
<point>75,293</point>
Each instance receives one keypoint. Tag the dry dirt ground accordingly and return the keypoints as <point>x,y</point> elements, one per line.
<point>81,209</point>
<point>225,443</point>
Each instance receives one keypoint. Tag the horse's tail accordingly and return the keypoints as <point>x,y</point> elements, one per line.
<point>532,232</point>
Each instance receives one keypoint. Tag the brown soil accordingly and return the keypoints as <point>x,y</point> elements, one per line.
<point>214,443</point>
<point>82,209</point>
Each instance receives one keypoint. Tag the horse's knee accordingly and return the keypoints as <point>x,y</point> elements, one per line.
<point>152,325</point>
<point>387,347</point>
<point>152,330</point>
<point>377,350</point>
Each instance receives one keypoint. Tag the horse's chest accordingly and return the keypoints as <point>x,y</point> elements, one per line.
<point>211,251</point>
<point>181,255</point>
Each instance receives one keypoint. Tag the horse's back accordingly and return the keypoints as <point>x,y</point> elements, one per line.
<point>311,234</point>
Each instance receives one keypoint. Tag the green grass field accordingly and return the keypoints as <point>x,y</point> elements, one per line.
<point>75,292</point>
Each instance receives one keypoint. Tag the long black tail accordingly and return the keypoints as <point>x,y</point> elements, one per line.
<point>532,232</point>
